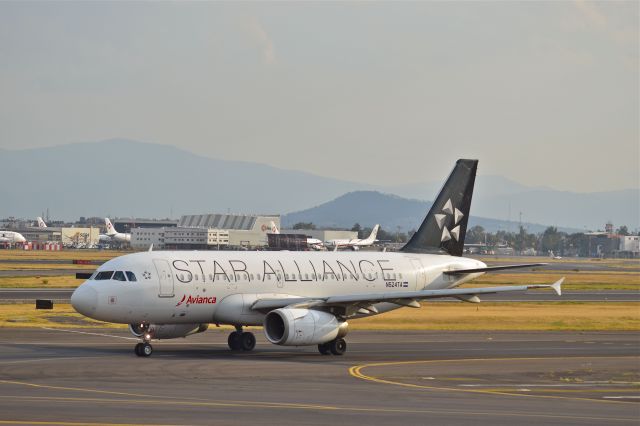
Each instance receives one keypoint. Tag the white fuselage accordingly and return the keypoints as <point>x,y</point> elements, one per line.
<point>119,237</point>
<point>174,287</point>
<point>11,237</point>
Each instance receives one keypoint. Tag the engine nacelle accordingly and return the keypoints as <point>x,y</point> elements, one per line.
<point>299,327</point>
<point>166,331</point>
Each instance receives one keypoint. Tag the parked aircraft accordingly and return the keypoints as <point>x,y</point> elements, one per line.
<point>41,223</point>
<point>313,243</point>
<point>355,243</point>
<point>11,237</point>
<point>113,235</point>
<point>300,298</point>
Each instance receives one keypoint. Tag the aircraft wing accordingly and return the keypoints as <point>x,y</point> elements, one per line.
<point>492,268</point>
<point>409,298</point>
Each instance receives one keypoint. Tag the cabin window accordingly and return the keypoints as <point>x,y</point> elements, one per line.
<point>306,276</point>
<point>211,277</point>
<point>258,275</point>
<point>251,277</point>
<point>286,276</point>
<point>344,277</point>
<point>400,276</point>
<point>131,276</point>
<point>104,275</point>
<point>119,276</point>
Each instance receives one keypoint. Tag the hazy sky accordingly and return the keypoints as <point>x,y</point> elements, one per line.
<point>545,93</point>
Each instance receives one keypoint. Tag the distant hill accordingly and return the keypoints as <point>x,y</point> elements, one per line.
<point>126,178</point>
<point>390,211</point>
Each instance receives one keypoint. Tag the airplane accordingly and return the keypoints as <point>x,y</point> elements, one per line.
<point>12,237</point>
<point>356,243</point>
<point>313,243</point>
<point>113,235</point>
<point>299,297</point>
<point>552,255</point>
<point>41,223</point>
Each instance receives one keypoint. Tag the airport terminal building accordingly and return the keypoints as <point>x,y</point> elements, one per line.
<point>207,232</point>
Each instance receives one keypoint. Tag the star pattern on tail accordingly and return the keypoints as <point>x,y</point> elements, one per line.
<point>449,211</point>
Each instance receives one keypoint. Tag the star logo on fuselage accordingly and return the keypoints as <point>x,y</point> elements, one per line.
<point>146,275</point>
<point>449,211</point>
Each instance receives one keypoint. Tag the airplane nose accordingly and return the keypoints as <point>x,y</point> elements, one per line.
<point>85,299</point>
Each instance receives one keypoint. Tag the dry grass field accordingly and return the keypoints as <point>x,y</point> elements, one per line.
<point>437,316</point>
<point>600,280</point>
<point>62,281</point>
<point>508,316</point>
<point>70,254</point>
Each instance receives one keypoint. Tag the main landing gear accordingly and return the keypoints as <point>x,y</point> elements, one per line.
<point>336,347</point>
<point>241,340</point>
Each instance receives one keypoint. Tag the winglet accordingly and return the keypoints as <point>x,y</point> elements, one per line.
<point>556,286</point>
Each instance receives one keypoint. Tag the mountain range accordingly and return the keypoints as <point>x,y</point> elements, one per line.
<point>127,178</point>
<point>391,212</point>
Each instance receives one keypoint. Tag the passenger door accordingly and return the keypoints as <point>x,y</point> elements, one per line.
<point>165,278</point>
<point>421,275</point>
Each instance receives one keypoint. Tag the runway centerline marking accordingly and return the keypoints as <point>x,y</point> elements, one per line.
<point>356,372</point>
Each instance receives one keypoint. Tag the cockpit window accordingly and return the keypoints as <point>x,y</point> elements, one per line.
<point>119,276</point>
<point>104,275</point>
<point>131,276</point>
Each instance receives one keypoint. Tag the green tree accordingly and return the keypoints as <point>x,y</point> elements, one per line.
<point>623,230</point>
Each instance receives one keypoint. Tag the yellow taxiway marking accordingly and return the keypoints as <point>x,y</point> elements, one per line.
<point>356,371</point>
<point>251,404</point>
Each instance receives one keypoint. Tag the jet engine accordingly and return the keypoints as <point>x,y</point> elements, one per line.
<point>298,327</point>
<point>166,331</point>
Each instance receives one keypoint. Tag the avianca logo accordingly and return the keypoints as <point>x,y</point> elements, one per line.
<point>198,300</point>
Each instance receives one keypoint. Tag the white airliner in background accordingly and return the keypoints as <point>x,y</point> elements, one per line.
<point>113,235</point>
<point>41,223</point>
<point>313,243</point>
<point>355,243</point>
<point>11,237</point>
<point>300,298</point>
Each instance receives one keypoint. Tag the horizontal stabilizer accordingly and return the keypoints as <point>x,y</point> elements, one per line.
<point>492,268</point>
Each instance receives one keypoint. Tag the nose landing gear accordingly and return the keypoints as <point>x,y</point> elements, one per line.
<point>144,348</point>
<point>241,340</point>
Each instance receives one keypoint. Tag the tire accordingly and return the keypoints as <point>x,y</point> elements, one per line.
<point>235,341</point>
<point>146,349</point>
<point>247,341</point>
<point>138,349</point>
<point>338,346</point>
<point>324,349</point>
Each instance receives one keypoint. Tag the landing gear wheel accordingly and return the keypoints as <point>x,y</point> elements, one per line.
<point>247,341</point>
<point>324,348</point>
<point>235,341</point>
<point>144,349</point>
<point>338,346</point>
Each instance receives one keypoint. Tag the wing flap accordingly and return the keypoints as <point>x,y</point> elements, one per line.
<point>492,268</point>
<point>394,297</point>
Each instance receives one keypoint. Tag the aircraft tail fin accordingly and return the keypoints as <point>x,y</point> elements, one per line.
<point>274,229</point>
<point>444,228</point>
<point>41,223</point>
<point>372,237</point>
<point>110,229</point>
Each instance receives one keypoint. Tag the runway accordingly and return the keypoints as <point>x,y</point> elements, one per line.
<point>462,378</point>
<point>64,295</point>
